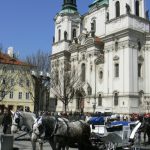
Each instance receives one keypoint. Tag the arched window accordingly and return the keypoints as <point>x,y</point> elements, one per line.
<point>116,99</point>
<point>93,25</point>
<point>116,70</point>
<point>141,97</point>
<point>139,70</point>
<point>117,9</point>
<point>139,45</point>
<point>100,100</point>
<point>57,77</point>
<point>74,33</point>
<point>101,74</point>
<point>65,35</point>
<point>137,8</point>
<point>89,90</point>
<point>59,35</point>
<point>83,73</point>
<point>116,45</point>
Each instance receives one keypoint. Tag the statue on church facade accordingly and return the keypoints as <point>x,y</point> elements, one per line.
<point>128,9</point>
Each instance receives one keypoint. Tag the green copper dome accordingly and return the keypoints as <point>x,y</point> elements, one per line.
<point>99,2</point>
<point>69,6</point>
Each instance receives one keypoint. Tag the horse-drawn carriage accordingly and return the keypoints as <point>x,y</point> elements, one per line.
<point>111,136</point>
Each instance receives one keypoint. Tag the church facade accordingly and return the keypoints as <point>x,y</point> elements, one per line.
<point>110,48</point>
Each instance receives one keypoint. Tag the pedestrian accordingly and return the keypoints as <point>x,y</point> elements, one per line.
<point>6,121</point>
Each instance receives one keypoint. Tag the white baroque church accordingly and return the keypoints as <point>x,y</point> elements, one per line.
<point>110,45</point>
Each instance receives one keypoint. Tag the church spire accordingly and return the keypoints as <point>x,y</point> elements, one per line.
<point>69,6</point>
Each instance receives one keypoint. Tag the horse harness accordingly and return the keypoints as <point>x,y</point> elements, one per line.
<point>56,127</point>
<point>17,120</point>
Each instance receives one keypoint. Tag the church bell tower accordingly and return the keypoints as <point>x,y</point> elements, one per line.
<point>69,4</point>
<point>67,26</point>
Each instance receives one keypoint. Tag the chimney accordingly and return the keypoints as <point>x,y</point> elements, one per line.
<point>10,51</point>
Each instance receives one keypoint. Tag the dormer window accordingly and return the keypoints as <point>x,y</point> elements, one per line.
<point>117,9</point>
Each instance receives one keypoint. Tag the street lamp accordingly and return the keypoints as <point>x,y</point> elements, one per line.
<point>42,84</point>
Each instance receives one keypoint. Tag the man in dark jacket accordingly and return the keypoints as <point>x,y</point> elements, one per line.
<point>6,122</point>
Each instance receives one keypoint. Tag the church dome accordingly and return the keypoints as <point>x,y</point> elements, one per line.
<point>69,6</point>
<point>99,2</point>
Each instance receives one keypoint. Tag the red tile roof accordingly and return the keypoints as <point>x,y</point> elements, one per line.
<point>6,59</point>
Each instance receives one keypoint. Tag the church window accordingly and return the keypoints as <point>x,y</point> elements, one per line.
<point>116,70</point>
<point>74,33</point>
<point>93,25</point>
<point>100,100</point>
<point>140,97</point>
<point>89,90</point>
<point>101,74</point>
<point>139,70</point>
<point>57,77</point>
<point>139,45</point>
<point>83,73</point>
<point>65,35</point>
<point>116,45</point>
<point>117,9</point>
<point>116,99</point>
<point>59,35</point>
<point>137,8</point>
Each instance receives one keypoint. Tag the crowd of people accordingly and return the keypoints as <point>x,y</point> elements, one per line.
<point>71,116</point>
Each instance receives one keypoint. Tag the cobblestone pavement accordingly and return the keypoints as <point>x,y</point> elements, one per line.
<point>26,145</point>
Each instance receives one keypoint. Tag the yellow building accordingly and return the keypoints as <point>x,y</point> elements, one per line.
<point>16,83</point>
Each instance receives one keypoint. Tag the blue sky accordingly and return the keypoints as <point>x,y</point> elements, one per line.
<point>28,25</point>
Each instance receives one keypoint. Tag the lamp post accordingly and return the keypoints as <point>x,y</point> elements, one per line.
<point>42,84</point>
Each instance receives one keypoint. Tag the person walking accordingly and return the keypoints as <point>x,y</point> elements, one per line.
<point>7,121</point>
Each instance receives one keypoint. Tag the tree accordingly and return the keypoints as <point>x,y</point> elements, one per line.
<point>41,60</point>
<point>65,85</point>
<point>8,80</point>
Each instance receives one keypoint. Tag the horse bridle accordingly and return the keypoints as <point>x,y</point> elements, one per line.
<point>17,120</point>
<point>41,125</point>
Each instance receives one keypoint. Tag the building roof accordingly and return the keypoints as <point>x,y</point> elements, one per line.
<point>6,59</point>
<point>69,7</point>
<point>99,2</point>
